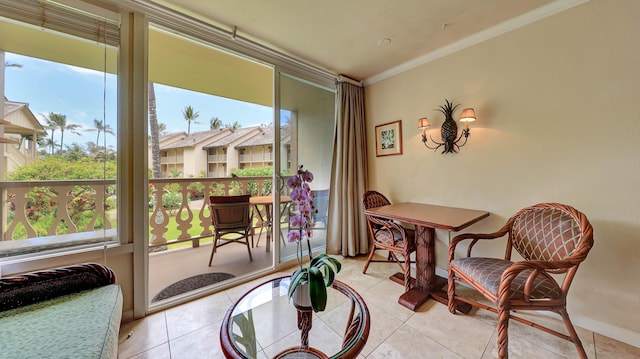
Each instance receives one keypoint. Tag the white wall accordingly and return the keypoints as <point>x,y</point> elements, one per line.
<point>557,106</point>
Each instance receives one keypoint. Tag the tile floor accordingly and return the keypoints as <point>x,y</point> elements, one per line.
<point>191,330</point>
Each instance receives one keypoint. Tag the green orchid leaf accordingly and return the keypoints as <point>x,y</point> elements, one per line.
<point>298,277</point>
<point>317,290</point>
<point>328,276</point>
<point>336,263</point>
<point>317,260</point>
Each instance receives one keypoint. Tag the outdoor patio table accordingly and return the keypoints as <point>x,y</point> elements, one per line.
<point>267,202</point>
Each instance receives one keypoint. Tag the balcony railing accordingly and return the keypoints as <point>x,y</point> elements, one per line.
<point>217,158</point>
<point>257,157</point>
<point>36,217</point>
<point>172,159</point>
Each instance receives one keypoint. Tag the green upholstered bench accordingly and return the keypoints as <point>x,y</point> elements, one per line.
<point>68,312</point>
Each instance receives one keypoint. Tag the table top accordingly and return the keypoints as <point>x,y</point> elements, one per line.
<point>263,323</point>
<point>429,215</point>
<point>268,199</point>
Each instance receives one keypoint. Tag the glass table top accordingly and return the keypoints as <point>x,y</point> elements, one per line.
<point>264,324</point>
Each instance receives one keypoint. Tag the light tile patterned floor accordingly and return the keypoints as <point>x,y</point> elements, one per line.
<point>192,330</point>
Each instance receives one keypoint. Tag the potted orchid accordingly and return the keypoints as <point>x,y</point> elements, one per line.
<point>309,281</point>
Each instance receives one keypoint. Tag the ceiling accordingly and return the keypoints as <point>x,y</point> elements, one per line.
<point>358,38</point>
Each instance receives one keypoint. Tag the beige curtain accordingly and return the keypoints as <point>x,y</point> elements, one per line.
<point>348,231</point>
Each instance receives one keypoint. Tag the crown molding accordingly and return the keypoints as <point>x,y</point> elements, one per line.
<point>504,27</point>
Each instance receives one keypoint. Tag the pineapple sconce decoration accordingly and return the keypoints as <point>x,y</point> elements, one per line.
<point>449,130</point>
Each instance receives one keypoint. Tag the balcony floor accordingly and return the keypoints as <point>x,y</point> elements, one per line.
<point>168,267</point>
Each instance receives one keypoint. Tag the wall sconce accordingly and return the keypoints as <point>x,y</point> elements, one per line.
<point>449,130</point>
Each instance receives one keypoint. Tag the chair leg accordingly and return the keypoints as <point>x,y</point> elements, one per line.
<point>246,238</point>
<point>503,332</point>
<point>366,265</point>
<point>572,333</point>
<point>451,292</point>
<point>213,250</point>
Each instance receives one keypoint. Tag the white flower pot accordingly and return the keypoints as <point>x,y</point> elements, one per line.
<point>301,298</point>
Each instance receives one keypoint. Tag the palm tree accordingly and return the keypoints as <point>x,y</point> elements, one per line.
<point>9,64</point>
<point>233,126</point>
<point>162,128</point>
<point>215,123</point>
<point>48,142</point>
<point>74,152</point>
<point>155,133</point>
<point>63,125</point>
<point>190,115</point>
<point>53,121</point>
<point>100,127</point>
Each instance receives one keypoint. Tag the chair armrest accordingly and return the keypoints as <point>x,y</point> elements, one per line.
<point>30,288</point>
<point>475,238</point>
<point>537,268</point>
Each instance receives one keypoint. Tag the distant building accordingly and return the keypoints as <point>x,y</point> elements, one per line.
<point>19,132</point>
<point>216,153</point>
<point>257,151</point>
<point>222,155</point>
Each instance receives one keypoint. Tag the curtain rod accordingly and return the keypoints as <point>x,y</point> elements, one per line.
<point>347,79</point>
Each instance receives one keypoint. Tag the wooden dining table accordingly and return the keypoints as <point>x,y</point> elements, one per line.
<point>426,218</point>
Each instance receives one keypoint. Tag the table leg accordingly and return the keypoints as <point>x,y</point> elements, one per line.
<point>269,223</point>
<point>305,321</point>
<point>427,283</point>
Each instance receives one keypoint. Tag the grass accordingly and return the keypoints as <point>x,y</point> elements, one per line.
<point>173,232</point>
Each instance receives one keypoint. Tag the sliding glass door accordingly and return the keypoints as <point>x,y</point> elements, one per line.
<point>210,112</point>
<point>306,114</point>
<point>224,124</point>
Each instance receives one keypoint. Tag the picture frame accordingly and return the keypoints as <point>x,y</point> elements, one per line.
<point>389,139</point>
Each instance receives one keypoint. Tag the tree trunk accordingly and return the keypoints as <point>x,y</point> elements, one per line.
<point>155,135</point>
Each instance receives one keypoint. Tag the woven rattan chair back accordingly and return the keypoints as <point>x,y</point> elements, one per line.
<point>373,199</point>
<point>547,233</point>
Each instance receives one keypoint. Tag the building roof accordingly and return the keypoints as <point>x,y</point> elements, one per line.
<point>194,139</point>
<point>169,136</point>
<point>265,137</point>
<point>25,124</point>
<point>231,137</point>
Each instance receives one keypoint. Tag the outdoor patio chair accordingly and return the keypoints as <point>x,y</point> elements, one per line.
<point>553,239</point>
<point>390,236</point>
<point>231,222</point>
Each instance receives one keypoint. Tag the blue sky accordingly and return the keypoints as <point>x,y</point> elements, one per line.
<point>78,94</point>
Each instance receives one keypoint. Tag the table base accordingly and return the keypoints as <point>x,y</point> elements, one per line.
<point>415,297</point>
<point>301,353</point>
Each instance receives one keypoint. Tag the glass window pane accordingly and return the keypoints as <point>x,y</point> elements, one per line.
<point>307,125</point>
<point>58,164</point>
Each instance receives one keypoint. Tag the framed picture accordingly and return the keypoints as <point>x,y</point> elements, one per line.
<point>389,139</point>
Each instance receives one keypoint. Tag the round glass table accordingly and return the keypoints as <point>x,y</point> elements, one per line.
<point>264,323</point>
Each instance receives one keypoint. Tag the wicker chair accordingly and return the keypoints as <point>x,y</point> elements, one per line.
<point>553,239</point>
<point>231,216</point>
<point>390,236</point>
